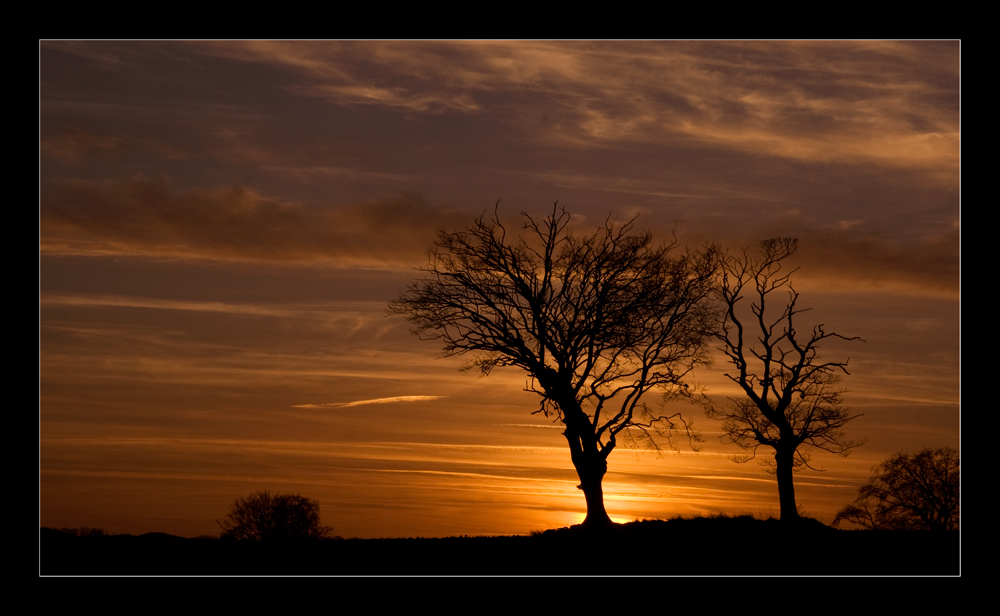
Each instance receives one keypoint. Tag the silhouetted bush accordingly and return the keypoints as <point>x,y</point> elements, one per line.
<point>265,516</point>
<point>909,492</point>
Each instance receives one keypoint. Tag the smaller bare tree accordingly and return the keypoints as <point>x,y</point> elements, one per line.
<point>909,492</point>
<point>266,516</point>
<point>792,400</point>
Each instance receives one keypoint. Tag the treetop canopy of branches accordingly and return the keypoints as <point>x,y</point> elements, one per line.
<point>792,397</point>
<point>589,317</point>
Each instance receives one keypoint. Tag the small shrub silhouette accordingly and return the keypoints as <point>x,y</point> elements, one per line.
<point>266,516</point>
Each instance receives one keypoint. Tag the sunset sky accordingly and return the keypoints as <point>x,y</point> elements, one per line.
<point>221,225</point>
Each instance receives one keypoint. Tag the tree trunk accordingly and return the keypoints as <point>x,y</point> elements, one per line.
<point>590,462</point>
<point>591,466</point>
<point>591,474</point>
<point>786,490</point>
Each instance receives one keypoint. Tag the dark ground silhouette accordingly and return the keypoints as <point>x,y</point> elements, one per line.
<point>700,546</point>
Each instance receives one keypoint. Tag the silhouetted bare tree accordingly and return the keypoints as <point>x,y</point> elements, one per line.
<point>596,321</point>
<point>792,402</point>
<point>266,516</point>
<point>909,492</point>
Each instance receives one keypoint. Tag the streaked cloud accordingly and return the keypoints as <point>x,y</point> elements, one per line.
<point>149,218</point>
<point>372,401</point>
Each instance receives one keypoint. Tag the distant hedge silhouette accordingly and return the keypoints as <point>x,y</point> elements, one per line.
<point>83,531</point>
<point>266,516</point>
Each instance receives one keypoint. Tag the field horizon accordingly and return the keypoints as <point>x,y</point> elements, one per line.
<point>679,546</point>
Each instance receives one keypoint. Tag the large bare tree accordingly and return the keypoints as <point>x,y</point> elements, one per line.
<point>596,320</point>
<point>792,400</point>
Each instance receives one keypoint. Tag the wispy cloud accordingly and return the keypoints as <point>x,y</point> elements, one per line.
<point>159,304</point>
<point>372,401</point>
